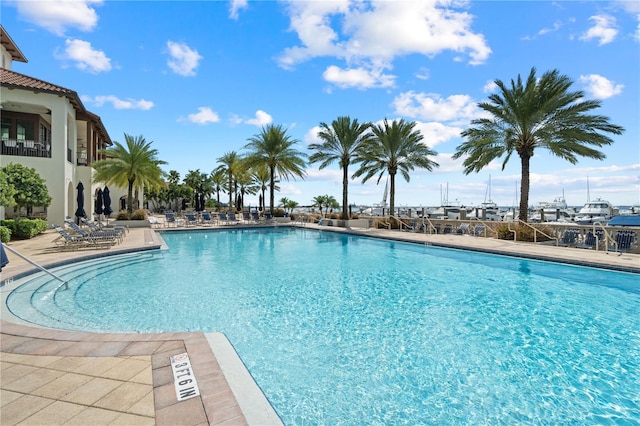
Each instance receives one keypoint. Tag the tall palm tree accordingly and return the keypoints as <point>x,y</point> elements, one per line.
<point>274,148</point>
<point>135,164</point>
<point>539,113</point>
<point>395,148</point>
<point>219,182</point>
<point>340,142</point>
<point>230,163</point>
<point>262,178</point>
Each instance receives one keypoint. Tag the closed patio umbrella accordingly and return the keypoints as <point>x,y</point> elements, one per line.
<point>80,200</point>
<point>99,202</point>
<point>106,198</point>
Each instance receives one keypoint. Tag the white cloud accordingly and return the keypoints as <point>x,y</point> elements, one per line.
<point>85,57</point>
<point>58,15</point>
<point>604,29</point>
<point>183,60</point>
<point>359,78</point>
<point>423,74</point>
<point>601,87</point>
<point>204,115</point>
<point>431,106</point>
<point>369,35</point>
<point>118,103</point>
<point>312,136</point>
<point>261,119</point>
<point>489,87</point>
<point>236,6</point>
<point>436,133</point>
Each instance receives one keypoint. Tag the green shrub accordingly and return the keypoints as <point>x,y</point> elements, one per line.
<point>23,229</point>
<point>122,215</point>
<point>139,214</point>
<point>5,234</point>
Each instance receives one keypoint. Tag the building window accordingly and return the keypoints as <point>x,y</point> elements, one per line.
<point>6,128</point>
<point>25,130</point>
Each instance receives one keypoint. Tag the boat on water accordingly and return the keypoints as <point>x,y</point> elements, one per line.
<point>553,211</point>
<point>598,210</point>
<point>487,210</point>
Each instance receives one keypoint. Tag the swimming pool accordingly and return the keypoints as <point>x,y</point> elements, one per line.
<point>339,329</point>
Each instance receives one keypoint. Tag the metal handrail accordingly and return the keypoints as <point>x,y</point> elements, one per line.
<point>65,283</point>
<point>535,232</point>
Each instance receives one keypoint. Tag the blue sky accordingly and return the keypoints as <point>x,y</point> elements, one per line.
<point>198,78</point>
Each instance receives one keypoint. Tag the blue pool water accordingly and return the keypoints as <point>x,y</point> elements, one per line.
<point>346,330</point>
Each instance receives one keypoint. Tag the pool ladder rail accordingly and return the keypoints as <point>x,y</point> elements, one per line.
<point>42,268</point>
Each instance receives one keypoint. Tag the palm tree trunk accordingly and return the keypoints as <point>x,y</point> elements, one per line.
<point>272,189</point>
<point>524,189</point>
<point>130,197</point>
<point>230,190</point>
<point>392,193</point>
<point>345,190</point>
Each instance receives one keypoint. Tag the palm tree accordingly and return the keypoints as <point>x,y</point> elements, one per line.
<point>230,164</point>
<point>541,113</point>
<point>273,148</point>
<point>219,182</point>
<point>319,201</point>
<point>395,148</point>
<point>340,142</point>
<point>134,165</point>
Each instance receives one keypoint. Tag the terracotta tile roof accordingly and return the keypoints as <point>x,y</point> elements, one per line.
<point>14,80</point>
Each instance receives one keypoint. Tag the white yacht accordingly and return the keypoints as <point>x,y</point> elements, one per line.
<point>598,210</point>
<point>554,211</point>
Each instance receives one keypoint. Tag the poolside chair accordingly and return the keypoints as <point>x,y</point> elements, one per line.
<point>154,222</point>
<point>569,238</point>
<point>74,242</point>
<point>623,241</point>
<point>170,219</point>
<point>223,219</point>
<point>102,236</point>
<point>447,229</point>
<point>207,220</point>
<point>479,230</point>
<point>462,229</point>
<point>591,240</point>
<point>118,231</point>
<point>190,219</point>
<point>246,217</point>
<point>255,217</point>
<point>231,219</point>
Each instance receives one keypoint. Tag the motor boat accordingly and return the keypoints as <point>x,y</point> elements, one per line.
<point>554,211</point>
<point>598,210</point>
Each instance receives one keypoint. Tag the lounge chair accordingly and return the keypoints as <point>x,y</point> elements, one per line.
<point>232,220</point>
<point>246,217</point>
<point>67,241</point>
<point>447,229</point>
<point>591,240</point>
<point>255,217</point>
<point>154,222</point>
<point>207,220</point>
<point>111,237</point>
<point>623,241</point>
<point>462,229</point>
<point>96,227</point>
<point>569,238</point>
<point>170,219</point>
<point>479,230</point>
<point>191,219</point>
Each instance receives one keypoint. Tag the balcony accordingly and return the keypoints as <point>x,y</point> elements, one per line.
<point>26,148</point>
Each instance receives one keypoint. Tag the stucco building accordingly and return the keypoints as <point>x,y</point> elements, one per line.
<point>46,127</point>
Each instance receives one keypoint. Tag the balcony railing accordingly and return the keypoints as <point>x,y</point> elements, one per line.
<point>26,148</point>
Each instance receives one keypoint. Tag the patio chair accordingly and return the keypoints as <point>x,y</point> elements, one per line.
<point>207,220</point>
<point>98,236</point>
<point>462,229</point>
<point>231,219</point>
<point>170,219</point>
<point>246,217</point>
<point>591,240</point>
<point>569,237</point>
<point>479,230</point>
<point>623,241</point>
<point>190,219</point>
<point>447,229</point>
<point>67,241</point>
<point>255,217</point>
<point>97,226</point>
<point>154,222</point>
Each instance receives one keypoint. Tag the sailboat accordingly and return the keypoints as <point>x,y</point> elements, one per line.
<point>487,210</point>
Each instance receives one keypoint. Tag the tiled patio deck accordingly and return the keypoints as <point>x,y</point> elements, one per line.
<point>59,377</point>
